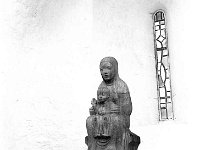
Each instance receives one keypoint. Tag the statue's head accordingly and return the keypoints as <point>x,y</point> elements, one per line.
<point>103,94</point>
<point>109,69</point>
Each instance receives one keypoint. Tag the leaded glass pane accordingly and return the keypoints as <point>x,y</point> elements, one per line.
<point>162,67</point>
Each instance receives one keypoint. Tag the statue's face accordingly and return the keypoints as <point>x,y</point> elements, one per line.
<point>107,71</point>
<point>103,97</point>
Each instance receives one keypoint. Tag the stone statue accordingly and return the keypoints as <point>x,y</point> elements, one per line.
<point>109,120</point>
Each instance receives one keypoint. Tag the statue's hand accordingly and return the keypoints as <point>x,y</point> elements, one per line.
<point>94,102</point>
<point>115,109</point>
<point>92,111</point>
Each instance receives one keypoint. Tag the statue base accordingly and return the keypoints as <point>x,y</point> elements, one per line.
<point>132,145</point>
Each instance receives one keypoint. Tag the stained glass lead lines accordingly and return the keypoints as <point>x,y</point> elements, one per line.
<point>162,67</point>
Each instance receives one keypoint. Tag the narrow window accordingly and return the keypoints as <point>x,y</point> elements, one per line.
<point>165,105</point>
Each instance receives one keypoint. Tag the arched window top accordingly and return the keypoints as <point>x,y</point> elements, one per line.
<point>159,16</point>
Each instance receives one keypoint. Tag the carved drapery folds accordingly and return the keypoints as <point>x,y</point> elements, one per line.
<point>109,120</point>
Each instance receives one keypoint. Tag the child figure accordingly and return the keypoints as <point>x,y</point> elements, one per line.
<point>101,109</point>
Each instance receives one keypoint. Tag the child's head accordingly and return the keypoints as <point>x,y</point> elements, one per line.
<point>103,94</point>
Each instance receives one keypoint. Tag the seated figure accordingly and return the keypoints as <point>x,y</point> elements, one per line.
<point>101,115</point>
<point>109,120</point>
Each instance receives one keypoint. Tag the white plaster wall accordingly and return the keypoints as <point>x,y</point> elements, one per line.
<point>50,54</point>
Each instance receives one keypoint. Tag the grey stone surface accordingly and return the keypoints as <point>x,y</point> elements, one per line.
<point>109,120</point>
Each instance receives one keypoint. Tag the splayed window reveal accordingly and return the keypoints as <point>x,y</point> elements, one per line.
<point>165,104</point>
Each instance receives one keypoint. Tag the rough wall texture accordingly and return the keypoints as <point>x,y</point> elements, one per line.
<point>49,68</point>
